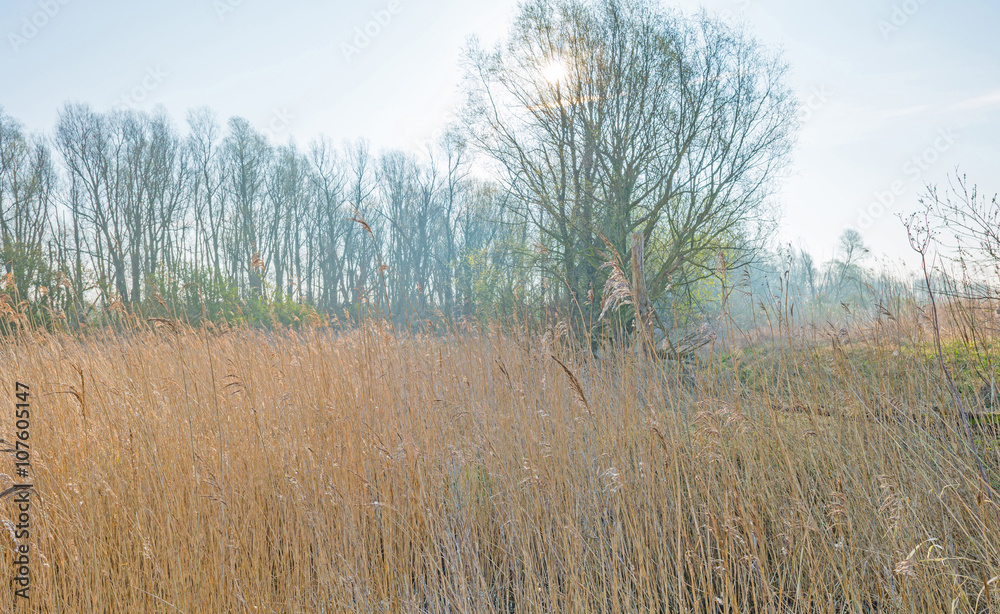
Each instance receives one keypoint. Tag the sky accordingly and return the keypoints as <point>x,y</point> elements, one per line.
<point>895,94</point>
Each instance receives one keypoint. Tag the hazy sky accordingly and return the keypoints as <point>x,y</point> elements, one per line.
<point>897,92</point>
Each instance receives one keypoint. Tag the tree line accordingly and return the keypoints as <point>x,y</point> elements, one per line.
<point>591,125</point>
<point>119,209</point>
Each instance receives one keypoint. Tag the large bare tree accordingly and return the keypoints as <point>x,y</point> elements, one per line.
<point>613,117</point>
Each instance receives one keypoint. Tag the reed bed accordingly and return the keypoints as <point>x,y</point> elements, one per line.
<point>206,470</point>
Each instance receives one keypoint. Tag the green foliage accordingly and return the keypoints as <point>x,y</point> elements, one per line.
<point>42,298</point>
<point>208,297</point>
<point>484,283</point>
<point>33,291</point>
<point>972,368</point>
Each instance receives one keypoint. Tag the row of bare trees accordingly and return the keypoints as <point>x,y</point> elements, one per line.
<point>132,210</point>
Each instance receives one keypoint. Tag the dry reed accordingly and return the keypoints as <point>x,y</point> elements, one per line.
<point>183,470</point>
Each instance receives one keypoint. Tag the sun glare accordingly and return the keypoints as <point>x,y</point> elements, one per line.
<point>554,71</point>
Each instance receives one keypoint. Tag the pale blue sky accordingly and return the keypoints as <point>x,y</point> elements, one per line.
<point>928,86</point>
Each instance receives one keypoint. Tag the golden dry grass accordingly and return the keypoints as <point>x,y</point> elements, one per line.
<point>190,471</point>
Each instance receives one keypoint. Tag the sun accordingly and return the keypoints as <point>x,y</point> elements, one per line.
<point>554,71</point>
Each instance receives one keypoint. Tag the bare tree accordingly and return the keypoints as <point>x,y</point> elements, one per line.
<point>327,236</point>
<point>246,156</point>
<point>286,185</point>
<point>359,250</point>
<point>207,198</point>
<point>27,185</point>
<point>967,222</point>
<point>613,116</point>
